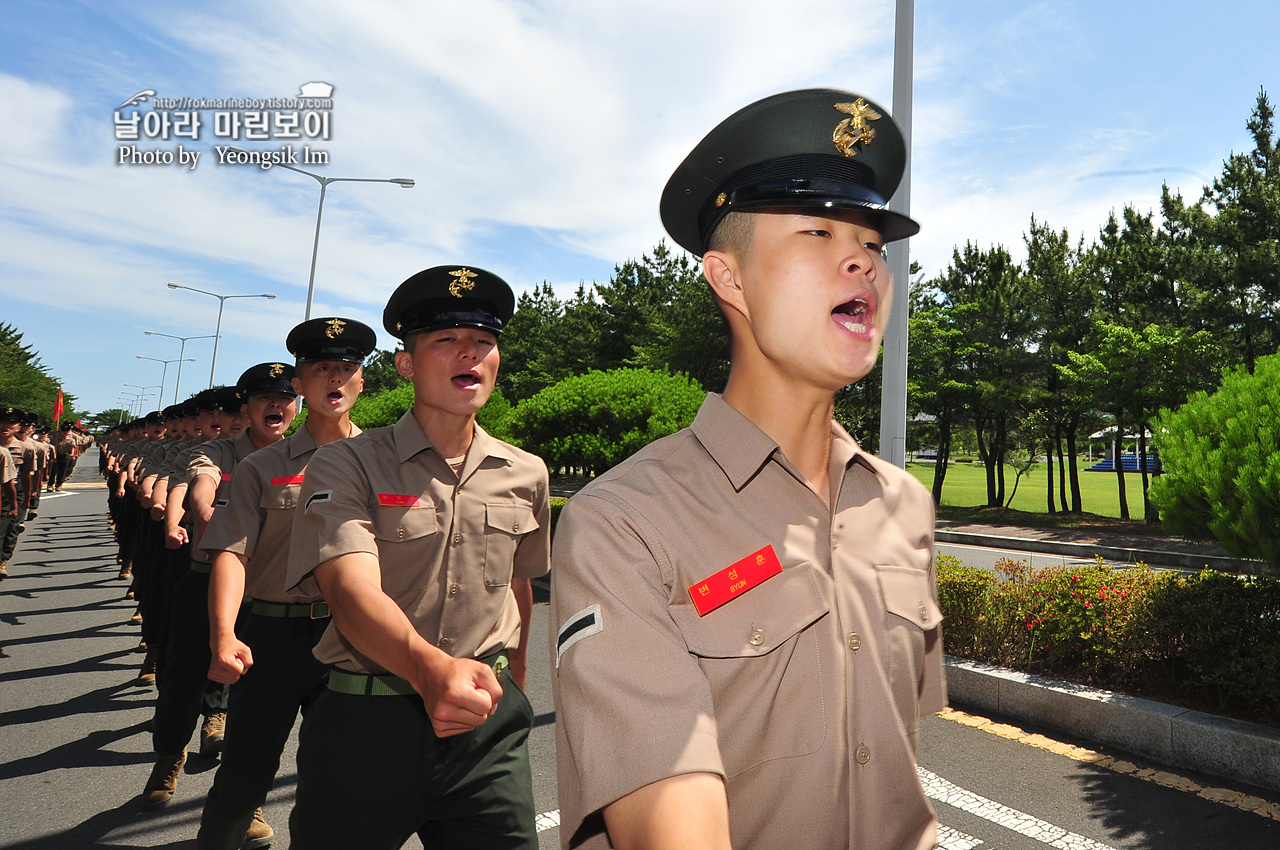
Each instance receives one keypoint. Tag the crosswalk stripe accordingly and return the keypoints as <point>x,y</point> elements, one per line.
<point>547,820</point>
<point>1046,833</point>
<point>954,839</point>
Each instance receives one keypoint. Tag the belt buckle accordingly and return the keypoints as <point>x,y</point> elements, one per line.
<point>322,615</point>
<point>500,665</point>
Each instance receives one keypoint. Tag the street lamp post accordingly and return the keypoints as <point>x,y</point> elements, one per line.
<point>142,394</point>
<point>402,182</point>
<point>893,383</point>
<point>164,374</point>
<point>222,301</point>
<point>181,351</point>
<point>131,398</point>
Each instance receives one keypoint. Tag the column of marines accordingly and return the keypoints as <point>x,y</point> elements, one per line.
<point>745,625</point>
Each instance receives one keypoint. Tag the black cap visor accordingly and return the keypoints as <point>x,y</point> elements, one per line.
<point>449,313</point>
<point>337,352</point>
<point>810,181</point>
<point>276,385</point>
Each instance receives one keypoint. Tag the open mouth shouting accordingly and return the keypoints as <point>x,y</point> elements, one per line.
<point>273,419</point>
<point>857,315</point>
<point>466,380</point>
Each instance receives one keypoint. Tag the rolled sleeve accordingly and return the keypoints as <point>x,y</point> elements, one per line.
<point>334,519</point>
<point>633,706</point>
<point>235,526</point>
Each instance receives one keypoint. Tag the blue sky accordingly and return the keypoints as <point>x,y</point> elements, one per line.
<point>540,135</point>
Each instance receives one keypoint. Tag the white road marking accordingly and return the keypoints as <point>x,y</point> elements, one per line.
<point>1044,832</point>
<point>954,839</point>
<point>547,820</point>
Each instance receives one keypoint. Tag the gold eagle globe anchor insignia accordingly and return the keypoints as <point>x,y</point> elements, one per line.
<point>276,370</point>
<point>465,280</point>
<point>854,130</point>
<point>335,328</point>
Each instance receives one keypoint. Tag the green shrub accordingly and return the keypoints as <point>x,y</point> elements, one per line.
<point>497,416</point>
<point>594,421</point>
<point>1222,634</point>
<point>1221,456</point>
<point>962,595</point>
<point>557,505</point>
<point>378,410</point>
<point>1212,636</point>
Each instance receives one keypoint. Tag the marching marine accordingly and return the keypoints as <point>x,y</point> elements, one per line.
<point>265,653</point>
<point>423,537</point>
<point>744,616</point>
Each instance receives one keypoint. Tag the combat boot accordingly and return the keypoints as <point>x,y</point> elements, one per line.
<point>163,781</point>
<point>212,731</point>
<point>147,675</point>
<point>260,833</point>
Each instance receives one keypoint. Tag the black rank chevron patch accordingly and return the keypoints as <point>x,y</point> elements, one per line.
<point>318,496</point>
<point>583,624</point>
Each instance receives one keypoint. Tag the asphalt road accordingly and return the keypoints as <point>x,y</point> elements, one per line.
<point>985,558</point>
<point>75,750</point>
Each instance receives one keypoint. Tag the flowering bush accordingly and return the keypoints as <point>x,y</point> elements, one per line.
<point>1212,636</point>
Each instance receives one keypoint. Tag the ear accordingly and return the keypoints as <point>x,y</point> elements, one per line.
<point>404,363</point>
<point>296,383</point>
<point>723,271</point>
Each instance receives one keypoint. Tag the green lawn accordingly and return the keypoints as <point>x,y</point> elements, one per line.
<point>966,486</point>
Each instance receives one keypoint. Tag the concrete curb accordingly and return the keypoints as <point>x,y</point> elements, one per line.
<point>1179,737</point>
<point>1087,551</point>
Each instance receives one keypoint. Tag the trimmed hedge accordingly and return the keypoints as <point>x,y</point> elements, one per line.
<point>1214,637</point>
<point>592,422</point>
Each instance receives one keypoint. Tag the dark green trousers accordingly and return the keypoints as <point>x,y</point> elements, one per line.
<point>371,772</point>
<point>9,542</point>
<point>184,689</point>
<point>261,711</point>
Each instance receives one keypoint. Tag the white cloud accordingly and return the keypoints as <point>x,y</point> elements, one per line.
<point>550,124</point>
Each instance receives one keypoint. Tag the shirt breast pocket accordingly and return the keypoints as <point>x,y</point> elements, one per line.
<point>911,613</point>
<point>283,498</point>
<point>763,658</point>
<point>504,524</point>
<point>408,543</point>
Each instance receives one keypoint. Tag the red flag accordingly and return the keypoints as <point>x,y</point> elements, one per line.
<point>57,409</point>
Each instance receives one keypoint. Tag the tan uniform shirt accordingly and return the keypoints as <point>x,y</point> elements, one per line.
<point>177,457</point>
<point>448,545</point>
<point>24,459</point>
<point>36,454</point>
<point>217,459</point>
<point>803,691</point>
<point>8,469</point>
<point>258,514</point>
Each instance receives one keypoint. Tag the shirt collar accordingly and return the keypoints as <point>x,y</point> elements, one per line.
<point>734,442</point>
<point>740,448</point>
<point>301,442</point>
<point>411,440</point>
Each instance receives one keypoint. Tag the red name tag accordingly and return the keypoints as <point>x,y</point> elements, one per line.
<point>735,580</point>
<point>288,479</point>
<point>226,477</point>
<point>399,500</point>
